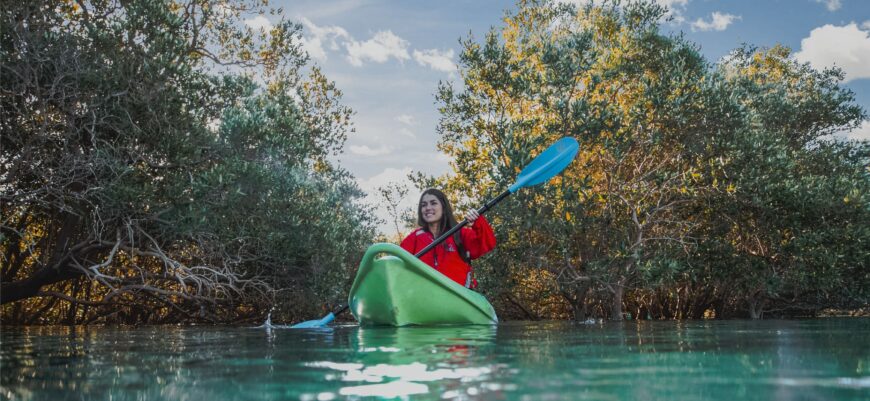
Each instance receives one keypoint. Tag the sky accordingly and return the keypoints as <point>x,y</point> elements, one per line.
<point>387,57</point>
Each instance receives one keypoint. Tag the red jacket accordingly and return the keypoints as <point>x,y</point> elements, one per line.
<point>477,240</point>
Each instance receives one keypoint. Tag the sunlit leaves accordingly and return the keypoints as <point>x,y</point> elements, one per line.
<point>680,160</point>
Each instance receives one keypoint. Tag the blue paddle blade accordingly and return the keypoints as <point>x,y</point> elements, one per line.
<point>549,163</point>
<point>311,324</point>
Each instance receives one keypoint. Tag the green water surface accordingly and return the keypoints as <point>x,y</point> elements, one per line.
<point>822,359</point>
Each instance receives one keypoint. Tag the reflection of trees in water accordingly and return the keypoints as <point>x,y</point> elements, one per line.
<point>155,363</point>
<point>448,360</point>
<point>431,345</point>
<point>630,360</point>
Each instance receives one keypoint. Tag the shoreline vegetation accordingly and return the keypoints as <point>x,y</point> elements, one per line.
<point>163,163</point>
<point>858,312</point>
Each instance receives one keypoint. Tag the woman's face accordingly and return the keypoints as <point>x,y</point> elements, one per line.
<point>431,208</point>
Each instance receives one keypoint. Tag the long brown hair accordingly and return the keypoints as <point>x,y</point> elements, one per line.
<point>447,219</point>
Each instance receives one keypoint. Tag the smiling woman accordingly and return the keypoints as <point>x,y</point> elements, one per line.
<point>453,257</point>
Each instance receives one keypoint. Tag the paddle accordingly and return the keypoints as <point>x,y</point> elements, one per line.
<point>549,163</point>
<point>545,166</point>
<point>321,322</point>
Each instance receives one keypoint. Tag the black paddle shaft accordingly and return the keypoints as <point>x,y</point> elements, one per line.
<point>457,227</point>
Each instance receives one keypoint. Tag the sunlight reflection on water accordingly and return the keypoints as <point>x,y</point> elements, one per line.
<point>784,360</point>
<point>411,372</point>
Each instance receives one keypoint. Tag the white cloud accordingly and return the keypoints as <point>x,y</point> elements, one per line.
<point>408,133</point>
<point>388,175</point>
<point>314,47</point>
<point>846,47</point>
<point>718,22</point>
<point>866,24</point>
<point>259,22</point>
<point>435,59</point>
<point>380,48</point>
<point>320,40</point>
<point>831,5</point>
<point>367,151</point>
<point>862,133</point>
<point>406,119</point>
<point>676,8</point>
<point>320,36</point>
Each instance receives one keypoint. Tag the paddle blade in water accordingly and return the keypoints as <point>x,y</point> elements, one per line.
<point>311,324</point>
<point>549,163</point>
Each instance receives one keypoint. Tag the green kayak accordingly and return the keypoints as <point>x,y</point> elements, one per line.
<point>392,287</point>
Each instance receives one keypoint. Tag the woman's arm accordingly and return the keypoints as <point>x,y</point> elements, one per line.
<point>479,238</point>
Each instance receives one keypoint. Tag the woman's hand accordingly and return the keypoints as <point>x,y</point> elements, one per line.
<point>471,216</point>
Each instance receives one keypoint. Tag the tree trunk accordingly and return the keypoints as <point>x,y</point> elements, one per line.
<point>73,307</point>
<point>616,306</point>
<point>529,315</point>
<point>578,303</point>
<point>29,287</point>
<point>756,307</point>
<point>54,270</point>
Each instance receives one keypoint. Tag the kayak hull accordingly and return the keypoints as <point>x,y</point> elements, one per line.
<point>394,288</point>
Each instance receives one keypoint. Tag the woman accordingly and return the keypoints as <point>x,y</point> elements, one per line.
<point>453,256</point>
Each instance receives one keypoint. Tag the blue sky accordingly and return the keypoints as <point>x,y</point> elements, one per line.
<point>388,57</point>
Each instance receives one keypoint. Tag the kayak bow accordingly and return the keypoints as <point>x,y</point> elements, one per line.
<point>400,290</point>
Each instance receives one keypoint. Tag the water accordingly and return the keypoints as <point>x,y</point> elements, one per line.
<point>823,359</point>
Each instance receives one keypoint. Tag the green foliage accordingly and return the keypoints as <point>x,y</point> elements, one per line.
<point>793,225</point>
<point>685,170</point>
<point>147,178</point>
